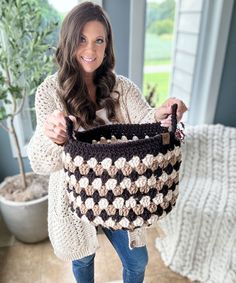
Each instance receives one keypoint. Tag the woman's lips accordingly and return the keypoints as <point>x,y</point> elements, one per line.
<point>88,59</point>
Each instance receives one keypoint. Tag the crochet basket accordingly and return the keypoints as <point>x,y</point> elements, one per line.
<point>122,176</point>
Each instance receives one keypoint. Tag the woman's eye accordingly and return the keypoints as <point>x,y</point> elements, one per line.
<point>82,39</point>
<point>100,40</point>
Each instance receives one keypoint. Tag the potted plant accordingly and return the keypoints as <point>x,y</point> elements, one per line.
<point>25,59</point>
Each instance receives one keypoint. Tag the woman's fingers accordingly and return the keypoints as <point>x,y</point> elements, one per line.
<point>179,116</point>
<point>166,122</point>
<point>163,112</point>
<point>58,118</point>
<point>55,136</point>
<point>181,105</point>
<point>55,127</point>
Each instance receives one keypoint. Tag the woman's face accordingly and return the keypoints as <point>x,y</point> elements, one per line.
<point>92,45</point>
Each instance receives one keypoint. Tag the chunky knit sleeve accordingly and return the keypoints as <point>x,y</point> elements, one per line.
<point>44,155</point>
<point>134,104</point>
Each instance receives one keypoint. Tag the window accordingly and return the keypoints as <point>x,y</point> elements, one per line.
<point>199,42</point>
<point>160,21</point>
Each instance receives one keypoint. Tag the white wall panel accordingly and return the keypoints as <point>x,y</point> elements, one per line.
<point>185,62</point>
<point>181,94</point>
<point>183,80</point>
<point>189,22</point>
<point>191,6</point>
<point>187,42</point>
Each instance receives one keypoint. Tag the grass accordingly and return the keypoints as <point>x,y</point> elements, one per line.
<point>161,81</point>
<point>157,52</point>
<point>157,62</point>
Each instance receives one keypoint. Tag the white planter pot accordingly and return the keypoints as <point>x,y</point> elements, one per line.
<point>27,221</point>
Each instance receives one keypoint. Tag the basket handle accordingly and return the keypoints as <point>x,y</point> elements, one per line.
<point>174,117</point>
<point>70,125</point>
<point>69,128</point>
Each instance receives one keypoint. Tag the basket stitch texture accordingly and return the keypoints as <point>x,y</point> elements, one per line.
<point>122,176</point>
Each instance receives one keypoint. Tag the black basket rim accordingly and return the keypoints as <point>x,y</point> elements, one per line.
<point>130,143</point>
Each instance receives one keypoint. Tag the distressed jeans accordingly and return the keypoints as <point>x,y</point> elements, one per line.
<point>134,260</point>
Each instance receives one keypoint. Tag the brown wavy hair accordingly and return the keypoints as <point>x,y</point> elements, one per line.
<point>73,89</point>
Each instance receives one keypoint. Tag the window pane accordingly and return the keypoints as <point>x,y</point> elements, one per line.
<point>63,7</point>
<point>158,49</point>
<point>53,11</point>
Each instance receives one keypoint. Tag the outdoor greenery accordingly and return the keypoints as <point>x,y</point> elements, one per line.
<point>25,58</point>
<point>162,27</point>
<point>158,81</point>
<point>162,15</point>
<point>158,47</point>
<point>157,62</point>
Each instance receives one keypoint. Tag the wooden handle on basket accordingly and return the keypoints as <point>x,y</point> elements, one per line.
<point>174,117</point>
<point>69,128</point>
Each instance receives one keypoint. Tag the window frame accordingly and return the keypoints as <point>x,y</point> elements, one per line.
<point>212,46</point>
<point>137,41</point>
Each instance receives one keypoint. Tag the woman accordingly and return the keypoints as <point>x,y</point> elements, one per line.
<point>87,89</point>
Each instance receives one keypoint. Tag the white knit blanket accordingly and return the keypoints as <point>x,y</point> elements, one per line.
<point>201,230</point>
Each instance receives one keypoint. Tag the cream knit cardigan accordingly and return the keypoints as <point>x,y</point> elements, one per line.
<point>71,238</point>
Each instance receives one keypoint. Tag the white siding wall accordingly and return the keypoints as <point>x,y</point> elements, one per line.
<point>187,30</point>
<point>201,34</point>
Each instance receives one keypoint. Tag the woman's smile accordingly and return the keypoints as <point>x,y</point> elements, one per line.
<point>88,59</point>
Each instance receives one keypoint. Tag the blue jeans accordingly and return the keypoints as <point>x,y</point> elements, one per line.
<point>134,261</point>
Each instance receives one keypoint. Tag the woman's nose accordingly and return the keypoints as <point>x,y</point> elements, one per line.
<point>91,46</point>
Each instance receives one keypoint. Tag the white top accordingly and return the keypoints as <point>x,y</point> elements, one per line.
<point>101,113</point>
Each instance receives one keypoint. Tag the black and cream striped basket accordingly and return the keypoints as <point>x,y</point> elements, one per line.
<point>122,176</point>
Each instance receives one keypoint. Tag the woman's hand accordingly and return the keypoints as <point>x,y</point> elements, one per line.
<point>163,113</point>
<point>55,127</point>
